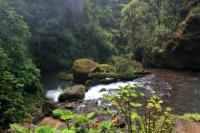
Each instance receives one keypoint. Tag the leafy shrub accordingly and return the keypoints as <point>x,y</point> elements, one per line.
<point>155,118</point>
<point>126,66</point>
<point>19,129</point>
<point>61,113</point>
<point>19,77</point>
<point>105,68</point>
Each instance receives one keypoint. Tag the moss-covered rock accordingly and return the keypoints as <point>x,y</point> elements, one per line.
<point>81,68</point>
<point>73,93</point>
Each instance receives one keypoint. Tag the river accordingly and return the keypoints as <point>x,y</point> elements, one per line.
<point>179,89</point>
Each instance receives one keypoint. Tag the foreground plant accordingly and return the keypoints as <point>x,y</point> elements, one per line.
<point>141,116</point>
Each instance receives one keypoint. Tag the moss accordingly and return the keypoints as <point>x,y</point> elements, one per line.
<point>84,65</point>
<point>81,69</point>
<point>190,116</point>
<point>65,76</point>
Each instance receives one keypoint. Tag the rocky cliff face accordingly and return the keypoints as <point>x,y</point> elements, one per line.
<point>183,51</point>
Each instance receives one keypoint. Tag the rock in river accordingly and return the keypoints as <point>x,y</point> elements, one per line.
<point>73,93</point>
<point>81,68</point>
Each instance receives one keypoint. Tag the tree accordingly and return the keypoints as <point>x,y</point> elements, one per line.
<point>18,75</point>
<point>150,23</point>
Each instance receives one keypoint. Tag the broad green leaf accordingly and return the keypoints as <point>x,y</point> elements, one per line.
<point>135,104</point>
<point>160,124</point>
<point>45,129</point>
<point>68,131</point>
<point>91,115</point>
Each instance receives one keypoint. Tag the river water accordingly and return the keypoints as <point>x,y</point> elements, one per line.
<point>180,90</point>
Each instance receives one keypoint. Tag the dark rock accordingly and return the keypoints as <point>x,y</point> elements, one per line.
<point>48,106</point>
<point>139,54</point>
<point>74,93</point>
<point>102,90</point>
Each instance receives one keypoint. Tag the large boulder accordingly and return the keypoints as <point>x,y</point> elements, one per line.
<point>73,93</point>
<point>81,68</point>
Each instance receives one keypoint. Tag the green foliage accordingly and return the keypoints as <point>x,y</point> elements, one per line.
<point>128,101</point>
<point>68,131</point>
<point>106,126</point>
<point>190,116</point>
<point>125,65</point>
<point>91,115</point>
<point>67,115</point>
<point>105,68</point>
<point>62,114</point>
<point>45,129</point>
<point>195,11</point>
<point>150,23</point>
<point>16,128</point>
<point>63,31</point>
<point>18,75</point>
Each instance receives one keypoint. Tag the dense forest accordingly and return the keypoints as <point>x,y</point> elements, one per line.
<point>125,37</point>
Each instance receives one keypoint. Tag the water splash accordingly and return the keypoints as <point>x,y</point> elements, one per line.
<point>54,94</point>
<point>96,93</point>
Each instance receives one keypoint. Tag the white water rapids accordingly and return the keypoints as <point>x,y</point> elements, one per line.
<point>93,93</point>
<point>54,94</point>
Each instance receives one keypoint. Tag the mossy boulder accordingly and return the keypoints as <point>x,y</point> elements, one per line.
<point>81,68</point>
<point>73,93</point>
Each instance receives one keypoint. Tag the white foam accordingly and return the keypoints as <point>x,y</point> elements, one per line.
<point>54,94</point>
<point>94,92</point>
